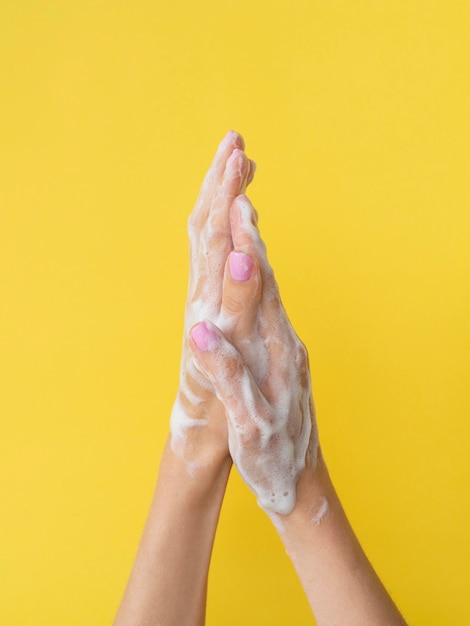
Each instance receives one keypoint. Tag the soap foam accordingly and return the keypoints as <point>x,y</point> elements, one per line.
<point>286,433</point>
<point>269,442</point>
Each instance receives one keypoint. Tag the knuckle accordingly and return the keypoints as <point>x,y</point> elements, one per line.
<point>302,364</point>
<point>301,354</point>
<point>193,224</point>
<point>218,236</point>
<point>233,368</point>
<point>232,302</point>
<point>249,434</point>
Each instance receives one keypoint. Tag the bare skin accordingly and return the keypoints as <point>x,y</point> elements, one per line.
<point>245,394</point>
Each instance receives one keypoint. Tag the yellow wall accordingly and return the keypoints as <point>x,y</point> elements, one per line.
<point>357,114</point>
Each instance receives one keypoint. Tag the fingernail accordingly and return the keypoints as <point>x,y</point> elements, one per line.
<point>241,266</point>
<point>204,337</point>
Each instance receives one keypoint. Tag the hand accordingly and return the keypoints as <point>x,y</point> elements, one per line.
<point>198,424</point>
<point>263,382</point>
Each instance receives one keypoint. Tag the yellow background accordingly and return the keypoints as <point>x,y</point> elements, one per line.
<point>357,113</point>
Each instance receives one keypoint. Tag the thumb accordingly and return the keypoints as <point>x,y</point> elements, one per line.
<point>241,293</point>
<point>248,411</point>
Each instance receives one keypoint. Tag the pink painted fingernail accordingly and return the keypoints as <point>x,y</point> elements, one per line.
<point>204,337</point>
<point>241,266</point>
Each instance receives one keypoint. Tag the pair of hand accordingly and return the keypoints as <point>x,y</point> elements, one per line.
<point>244,395</point>
<point>245,386</point>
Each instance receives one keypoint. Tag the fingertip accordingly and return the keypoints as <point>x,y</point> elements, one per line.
<point>236,173</point>
<point>234,139</point>
<point>237,139</point>
<point>236,154</point>
<point>230,143</point>
<point>252,172</point>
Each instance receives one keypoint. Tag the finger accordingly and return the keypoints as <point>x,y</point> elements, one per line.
<point>241,293</point>
<point>209,224</point>
<point>246,238</point>
<point>229,143</point>
<point>252,172</point>
<point>233,183</point>
<point>214,176</point>
<point>247,410</point>
<point>215,238</point>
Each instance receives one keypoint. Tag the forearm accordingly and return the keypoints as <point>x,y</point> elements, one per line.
<point>169,578</point>
<point>338,579</point>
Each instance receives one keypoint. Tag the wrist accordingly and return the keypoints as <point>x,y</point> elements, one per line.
<point>195,481</point>
<point>173,558</point>
<point>198,435</point>
<point>316,498</point>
